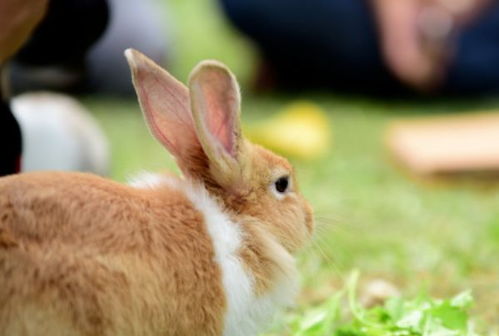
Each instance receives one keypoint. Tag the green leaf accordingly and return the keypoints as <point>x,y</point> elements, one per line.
<point>421,316</point>
<point>395,308</point>
<point>451,317</point>
<point>462,300</point>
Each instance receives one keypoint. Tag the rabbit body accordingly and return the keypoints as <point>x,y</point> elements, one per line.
<point>206,254</point>
<point>145,264</point>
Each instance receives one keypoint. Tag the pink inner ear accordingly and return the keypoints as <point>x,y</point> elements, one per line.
<point>222,104</point>
<point>165,103</point>
<point>221,123</point>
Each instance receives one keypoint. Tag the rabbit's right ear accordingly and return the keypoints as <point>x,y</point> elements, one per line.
<point>215,106</point>
<point>165,104</point>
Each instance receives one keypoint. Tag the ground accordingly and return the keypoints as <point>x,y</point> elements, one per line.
<point>442,236</point>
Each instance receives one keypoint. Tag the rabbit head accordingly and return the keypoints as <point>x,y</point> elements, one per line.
<point>200,126</point>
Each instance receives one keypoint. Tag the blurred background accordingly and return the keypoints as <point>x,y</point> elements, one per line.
<point>343,88</point>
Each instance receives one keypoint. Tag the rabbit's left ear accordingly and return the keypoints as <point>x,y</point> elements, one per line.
<point>215,107</point>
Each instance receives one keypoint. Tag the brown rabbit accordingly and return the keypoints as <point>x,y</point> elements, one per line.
<point>204,254</point>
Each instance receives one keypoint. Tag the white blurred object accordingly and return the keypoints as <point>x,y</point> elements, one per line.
<point>376,292</point>
<point>59,134</point>
<point>143,25</point>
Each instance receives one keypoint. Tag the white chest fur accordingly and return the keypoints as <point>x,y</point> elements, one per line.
<point>247,314</point>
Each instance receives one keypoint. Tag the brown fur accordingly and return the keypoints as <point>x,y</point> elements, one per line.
<point>81,255</point>
<point>267,220</point>
<point>110,259</point>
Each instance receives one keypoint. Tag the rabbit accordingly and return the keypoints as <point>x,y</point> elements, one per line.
<point>59,134</point>
<point>207,253</point>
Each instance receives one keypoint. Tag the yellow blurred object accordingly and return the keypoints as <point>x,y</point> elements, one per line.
<point>300,130</point>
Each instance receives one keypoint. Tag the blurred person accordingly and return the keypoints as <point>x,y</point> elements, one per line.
<point>18,18</point>
<point>375,46</point>
<point>42,32</point>
<point>54,45</point>
<point>79,46</point>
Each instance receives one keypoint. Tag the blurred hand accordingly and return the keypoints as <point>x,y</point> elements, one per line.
<point>18,18</point>
<point>416,36</point>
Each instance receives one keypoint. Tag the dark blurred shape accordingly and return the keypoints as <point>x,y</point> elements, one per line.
<point>316,43</point>
<point>335,44</point>
<point>66,33</point>
<point>10,141</point>
<point>79,46</point>
<point>474,68</point>
<point>54,56</point>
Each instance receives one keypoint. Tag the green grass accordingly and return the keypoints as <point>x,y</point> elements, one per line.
<point>372,216</point>
<point>342,315</point>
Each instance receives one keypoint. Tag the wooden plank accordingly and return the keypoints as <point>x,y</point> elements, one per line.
<point>445,145</point>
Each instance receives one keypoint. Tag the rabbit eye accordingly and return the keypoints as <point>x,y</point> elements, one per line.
<point>282,184</point>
